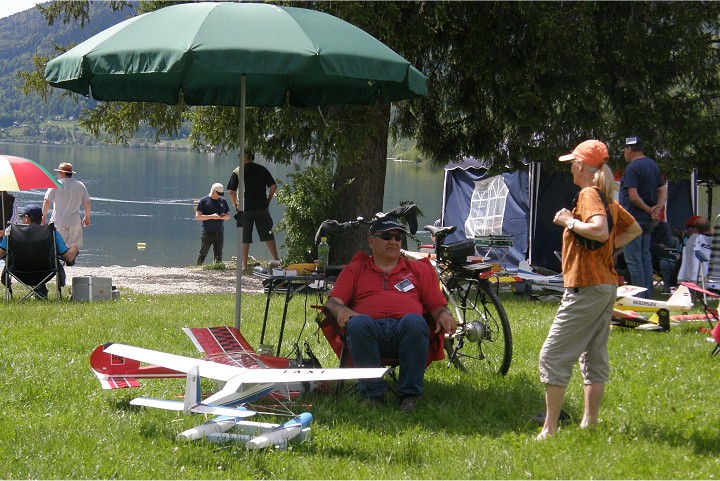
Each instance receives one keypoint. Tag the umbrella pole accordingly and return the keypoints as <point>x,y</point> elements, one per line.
<point>241,204</point>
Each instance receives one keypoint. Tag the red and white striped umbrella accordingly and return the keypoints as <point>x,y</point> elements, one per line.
<point>19,173</point>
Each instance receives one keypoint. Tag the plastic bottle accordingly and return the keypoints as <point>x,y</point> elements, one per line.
<point>323,253</point>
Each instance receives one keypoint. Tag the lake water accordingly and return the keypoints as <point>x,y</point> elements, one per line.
<point>146,196</point>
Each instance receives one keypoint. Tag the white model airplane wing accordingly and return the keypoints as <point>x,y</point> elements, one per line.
<point>208,369</point>
<point>628,290</point>
<point>224,372</point>
<point>200,408</point>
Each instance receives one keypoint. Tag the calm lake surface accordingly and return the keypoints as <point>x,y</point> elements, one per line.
<point>146,196</point>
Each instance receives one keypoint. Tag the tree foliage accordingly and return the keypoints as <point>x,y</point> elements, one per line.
<point>509,82</point>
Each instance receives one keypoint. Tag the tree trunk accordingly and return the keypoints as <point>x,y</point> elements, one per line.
<point>364,196</point>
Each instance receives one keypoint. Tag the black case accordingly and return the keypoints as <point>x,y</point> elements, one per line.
<point>457,251</point>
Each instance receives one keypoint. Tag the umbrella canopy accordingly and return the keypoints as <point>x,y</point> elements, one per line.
<point>201,51</point>
<point>18,173</point>
<point>236,54</point>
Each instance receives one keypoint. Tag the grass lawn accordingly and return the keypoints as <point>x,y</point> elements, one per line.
<point>659,418</point>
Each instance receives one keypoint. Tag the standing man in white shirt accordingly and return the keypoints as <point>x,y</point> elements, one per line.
<point>66,206</point>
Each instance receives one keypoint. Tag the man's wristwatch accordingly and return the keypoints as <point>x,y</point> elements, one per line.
<point>571,223</point>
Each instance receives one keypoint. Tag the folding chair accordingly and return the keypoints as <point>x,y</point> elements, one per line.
<point>712,281</point>
<point>335,336</point>
<point>709,312</point>
<point>32,260</point>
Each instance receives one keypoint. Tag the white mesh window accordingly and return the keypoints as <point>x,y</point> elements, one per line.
<point>487,207</point>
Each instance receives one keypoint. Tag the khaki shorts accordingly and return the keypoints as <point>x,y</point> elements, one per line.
<point>71,234</point>
<point>579,332</point>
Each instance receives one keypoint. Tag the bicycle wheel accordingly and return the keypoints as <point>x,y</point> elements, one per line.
<point>483,341</point>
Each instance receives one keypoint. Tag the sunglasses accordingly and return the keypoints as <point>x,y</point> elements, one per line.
<point>386,236</point>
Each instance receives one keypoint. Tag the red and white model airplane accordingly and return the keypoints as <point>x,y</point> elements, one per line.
<point>231,360</point>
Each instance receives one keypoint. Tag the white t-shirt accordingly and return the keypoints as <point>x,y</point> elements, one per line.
<point>67,201</point>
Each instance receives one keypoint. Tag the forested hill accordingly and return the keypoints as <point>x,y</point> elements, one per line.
<point>24,34</point>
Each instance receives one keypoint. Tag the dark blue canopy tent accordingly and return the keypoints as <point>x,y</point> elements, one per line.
<point>522,204</point>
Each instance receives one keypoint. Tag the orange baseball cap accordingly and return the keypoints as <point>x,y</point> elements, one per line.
<point>592,152</point>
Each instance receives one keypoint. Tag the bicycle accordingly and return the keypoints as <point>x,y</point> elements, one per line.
<point>483,339</point>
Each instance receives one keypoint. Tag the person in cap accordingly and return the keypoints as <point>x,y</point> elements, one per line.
<point>32,215</point>
<point>380,300</point>
<point>213,211</point>
<point>582,325</point>
<point>643,193</point>
<point>66,203</point>
<point>260,188</point>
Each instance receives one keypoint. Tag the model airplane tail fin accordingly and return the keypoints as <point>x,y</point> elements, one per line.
<point>681,298</point>
<point>192,390</point>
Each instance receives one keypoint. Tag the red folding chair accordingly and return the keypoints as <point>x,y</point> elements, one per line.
<point>710,313</point>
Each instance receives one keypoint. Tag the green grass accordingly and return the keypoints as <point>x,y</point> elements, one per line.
<point>659,418</point>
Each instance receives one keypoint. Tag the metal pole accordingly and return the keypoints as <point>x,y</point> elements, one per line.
<point>241,204</point>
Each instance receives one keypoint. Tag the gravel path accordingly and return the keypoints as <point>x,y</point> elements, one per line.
<point>168,280</point>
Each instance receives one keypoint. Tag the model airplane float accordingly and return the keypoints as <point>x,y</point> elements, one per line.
<point>246,378</point>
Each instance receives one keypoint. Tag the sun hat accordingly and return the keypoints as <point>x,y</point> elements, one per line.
<point>65,168</point>
<point>386,223</point>
<point>217,187</point>
<point>591,152</point>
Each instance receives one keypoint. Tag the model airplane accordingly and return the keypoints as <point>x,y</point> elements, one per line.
<point>681,300</point>
<point>245,376</point>
<point>551,282</point>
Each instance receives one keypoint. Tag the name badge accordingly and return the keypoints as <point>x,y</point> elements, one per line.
<point>404,286</point>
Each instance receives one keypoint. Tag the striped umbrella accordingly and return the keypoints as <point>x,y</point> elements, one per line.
<point>18,173</point>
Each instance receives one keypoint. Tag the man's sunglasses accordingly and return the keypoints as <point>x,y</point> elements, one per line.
<point>386,236</point>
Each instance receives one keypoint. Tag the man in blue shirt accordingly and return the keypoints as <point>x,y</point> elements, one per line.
<point>212,210</point>
<point>33,215</point>
<point>642,193</point>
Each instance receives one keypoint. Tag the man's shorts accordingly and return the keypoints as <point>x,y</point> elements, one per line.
<point>260,218</point>
<point>71,234</point>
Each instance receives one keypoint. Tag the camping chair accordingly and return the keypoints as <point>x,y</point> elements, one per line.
<point>335,336</point>
<point>709,312</point>
<point>713,275</point>
<point>32,260</point>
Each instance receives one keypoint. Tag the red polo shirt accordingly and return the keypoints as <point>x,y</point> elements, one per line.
<point>412,287</point>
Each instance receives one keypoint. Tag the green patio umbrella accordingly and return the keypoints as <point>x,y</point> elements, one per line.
<point>236,54</point>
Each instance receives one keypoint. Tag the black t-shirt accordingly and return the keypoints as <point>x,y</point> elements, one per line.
<point>257,180</point>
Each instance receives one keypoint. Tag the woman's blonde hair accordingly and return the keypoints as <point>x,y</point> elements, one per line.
<point>604,179</point>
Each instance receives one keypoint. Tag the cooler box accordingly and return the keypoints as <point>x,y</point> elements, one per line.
<point>91,288</point>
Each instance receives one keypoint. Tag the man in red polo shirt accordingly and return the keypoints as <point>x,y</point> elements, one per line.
<point>380,301</point>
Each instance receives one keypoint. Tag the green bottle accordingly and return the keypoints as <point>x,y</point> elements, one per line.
<point>323,253</point>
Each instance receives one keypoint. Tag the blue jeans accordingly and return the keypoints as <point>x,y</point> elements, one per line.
<point>407,339</point>
<point>639,260</point>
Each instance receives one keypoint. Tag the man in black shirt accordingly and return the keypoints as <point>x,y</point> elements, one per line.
<point>255,212</point>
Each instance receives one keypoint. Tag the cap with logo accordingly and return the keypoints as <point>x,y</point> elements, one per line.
<point>386,223</point>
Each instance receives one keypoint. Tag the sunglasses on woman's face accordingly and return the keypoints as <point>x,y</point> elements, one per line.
<point>386,236</point>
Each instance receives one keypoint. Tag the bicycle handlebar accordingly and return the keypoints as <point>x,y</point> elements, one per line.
<point>332,227</point>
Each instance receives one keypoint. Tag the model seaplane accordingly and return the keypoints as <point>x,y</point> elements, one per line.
<point>245,375</point>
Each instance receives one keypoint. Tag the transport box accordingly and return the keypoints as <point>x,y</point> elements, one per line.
<point>91,288</point>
